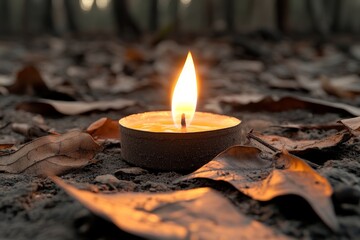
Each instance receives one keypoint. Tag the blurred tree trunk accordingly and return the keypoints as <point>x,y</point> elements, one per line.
<point>323,15</point>
<point>153,15</point>
<point>26,18</point>
<point>71,23</point>
<point>4,17</point>
<point>337,10</point>
<point>209,13</point>
<point>126,26</point>
<point>282,15</point>
<point>229,15</point>
<point>48,17</point>
<point>174,9</point>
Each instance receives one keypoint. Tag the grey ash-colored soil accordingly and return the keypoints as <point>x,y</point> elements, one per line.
<point>35,208</point>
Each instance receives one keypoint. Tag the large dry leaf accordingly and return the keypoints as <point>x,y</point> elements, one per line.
<point>104,128</point>
<point>303,146</point>
<point>48,107</point>
<point>353,124</point>
<point>53,154</point>
<point>263,179</point>
<point>258,102</point>
<point>190,214</point>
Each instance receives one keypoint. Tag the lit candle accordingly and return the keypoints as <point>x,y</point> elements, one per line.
<point>180,140</point>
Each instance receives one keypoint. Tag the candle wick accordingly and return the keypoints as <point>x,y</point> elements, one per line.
<point>183,120</point>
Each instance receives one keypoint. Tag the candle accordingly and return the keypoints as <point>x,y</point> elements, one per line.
<point>181,140</point>
<point>162,122</point>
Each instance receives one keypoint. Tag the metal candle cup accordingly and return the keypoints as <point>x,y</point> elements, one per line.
<point>150,140</point>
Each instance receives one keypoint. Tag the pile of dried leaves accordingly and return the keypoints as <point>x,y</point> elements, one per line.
<point>296,174</point>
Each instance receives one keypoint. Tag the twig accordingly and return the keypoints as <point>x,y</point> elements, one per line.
<point>274,149</point>
<point>259,140</point>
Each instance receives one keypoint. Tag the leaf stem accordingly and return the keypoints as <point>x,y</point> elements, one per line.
<point>250,135</point>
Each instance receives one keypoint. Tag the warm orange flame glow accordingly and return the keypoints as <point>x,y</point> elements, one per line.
<point>185,94</point>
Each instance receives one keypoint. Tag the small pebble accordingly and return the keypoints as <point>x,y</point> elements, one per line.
<point>156,186</point>
<point>107,179</point>
<point>131,171</point>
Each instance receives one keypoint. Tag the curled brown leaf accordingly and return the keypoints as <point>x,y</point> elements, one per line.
<point>263,179</point>
<point>353,124</point>
<point>104,128</point>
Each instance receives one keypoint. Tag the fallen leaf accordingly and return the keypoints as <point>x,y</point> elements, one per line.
<point>29,81</point>
<point>5,145</point>
<point>29,131</point>
<point>304,145</point>
<point>134,54</point>
<point>343,87</point>
<point>189,214</point>
<point>253,173</point>
<point>53,154</point>
<point>51,107</point>
<point>118,84</point>
<point>353,124</point>
<point>258,102</point>
<point>104,128</point>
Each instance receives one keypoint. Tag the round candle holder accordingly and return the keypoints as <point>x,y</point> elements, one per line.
<point>175,151</point>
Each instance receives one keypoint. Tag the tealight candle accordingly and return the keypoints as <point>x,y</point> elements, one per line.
<point>180,140</point>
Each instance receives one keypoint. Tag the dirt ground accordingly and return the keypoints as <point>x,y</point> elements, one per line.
<point>35,208</point>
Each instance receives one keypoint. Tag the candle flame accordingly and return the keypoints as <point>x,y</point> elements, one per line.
<point>185,95</point>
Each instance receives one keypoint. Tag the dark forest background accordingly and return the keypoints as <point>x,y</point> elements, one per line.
<point>136,18</point>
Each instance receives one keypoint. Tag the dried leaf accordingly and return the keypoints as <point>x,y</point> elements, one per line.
<point>118,84</point>
<point>51,107</point>
<point>353,124</point>
<point>53,154</point>
<point>29,131</point>
<point>5,145</point>
<point>252,173</point>
<point>29,81</point>
<point>104,128</point>
<point>303,146</point>
<point>344,87</point>
<point>134,54</point>
<point>258,102</point>
<point>189,214</point>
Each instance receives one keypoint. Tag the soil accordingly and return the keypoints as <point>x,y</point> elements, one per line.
<point>35,208</point>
